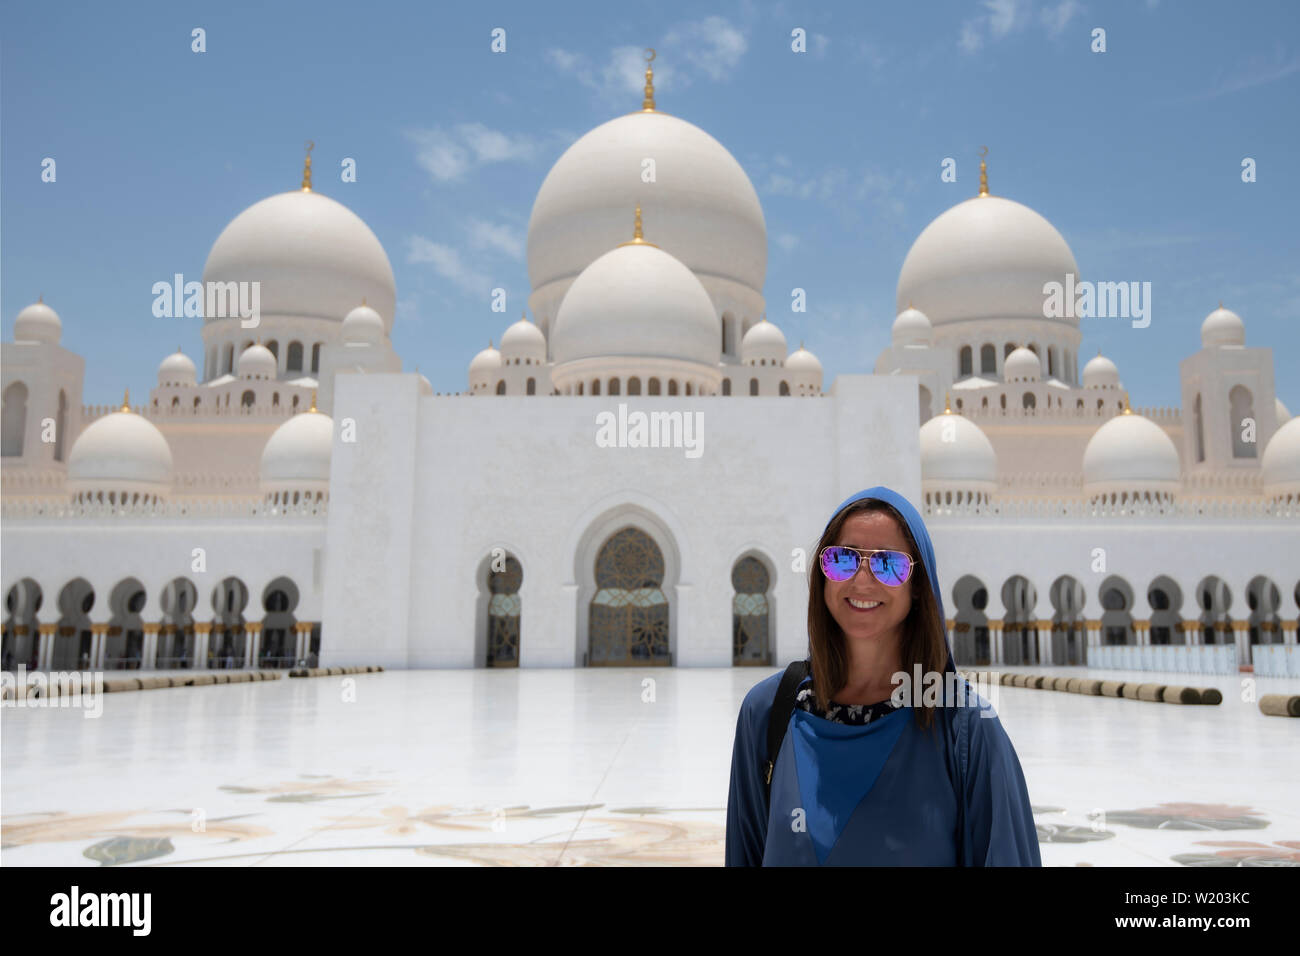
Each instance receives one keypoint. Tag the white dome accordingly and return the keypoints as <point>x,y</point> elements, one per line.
<point>987,257</point>
<point>763,341</point>
<point>488,360</point>
<point>121,452</point>
<point>701,208</point>
<point>1130,454</point>
<point>956,455</point>
<point>1100,372</point>
<point>1283,413</point>
<point>256,361</point>
<point>297,455</point>
<point>524,340</point>
<point>1022,365</point>
<point>363,326</point>
<point>912,329</point>
<point>801,360</point>
<point>313,257</point>
<point>177,369</point>
<point>1223,328</point>
<point>1280,466</point>
<point>637,301</point>
<point>38,323</point>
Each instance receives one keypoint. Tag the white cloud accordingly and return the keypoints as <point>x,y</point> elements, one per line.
<point>712,48</point>
<point>447,263</point>
<point>1001,18</point>
<point>786,240</point>
<point>502,238</point>
<point>448,154</point>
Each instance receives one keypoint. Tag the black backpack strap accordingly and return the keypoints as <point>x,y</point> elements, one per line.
<point>779,717</point>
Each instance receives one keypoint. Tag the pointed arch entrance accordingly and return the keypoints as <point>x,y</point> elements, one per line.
<point>627,620</point>
<point>751,613</point>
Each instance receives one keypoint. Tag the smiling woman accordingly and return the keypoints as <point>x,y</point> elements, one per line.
<point>827,769</point>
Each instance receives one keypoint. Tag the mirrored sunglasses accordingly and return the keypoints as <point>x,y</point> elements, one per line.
<point>890,568</point>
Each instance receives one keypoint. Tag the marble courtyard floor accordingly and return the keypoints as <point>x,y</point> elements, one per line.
<point>573,767</point>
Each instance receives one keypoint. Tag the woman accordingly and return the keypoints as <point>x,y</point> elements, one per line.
<point>866,775</point>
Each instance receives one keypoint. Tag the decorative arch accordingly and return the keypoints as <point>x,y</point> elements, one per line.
<point>1069,630</point>
<point>278,646</point>
<point>1019,627</point>
<point>227,643</point>
<point>752,582</point>
<point>1214,598</point>
<point>124,645</point>
<point>13,420</point>
<point>1117,611</point>
<point>73,638</point>
<point>21,641</point>
<point>1241,411</point>
<point>971,644</point>
<point>176,637</point>
<point>1165,598</point>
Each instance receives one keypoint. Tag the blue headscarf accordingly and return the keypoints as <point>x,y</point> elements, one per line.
<point>919,534</point>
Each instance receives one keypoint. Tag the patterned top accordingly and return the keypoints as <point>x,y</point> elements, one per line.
<point>843,713</point>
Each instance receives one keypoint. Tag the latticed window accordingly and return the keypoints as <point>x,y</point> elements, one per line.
<point>628,616</point>
<point>749,613</point>
<point>503,614</point>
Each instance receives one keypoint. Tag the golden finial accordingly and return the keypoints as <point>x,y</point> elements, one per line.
<point>306,168</point>
<point>1221,303</point>
<point>126,400</point>
<point>984,172</point>
<point>490,343</point>
<point>648,104</point>
<point>947,403</point>
<point>363,300</point>
<point>313,401</point>
<point>524,315</point>
<point>41,298</point>
<point>638,238</point>
<point>1127,409</point>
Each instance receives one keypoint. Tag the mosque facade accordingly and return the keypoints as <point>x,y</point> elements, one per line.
<point>638,472</point>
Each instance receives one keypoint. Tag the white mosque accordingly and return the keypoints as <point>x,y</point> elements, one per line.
<point>634,476</point>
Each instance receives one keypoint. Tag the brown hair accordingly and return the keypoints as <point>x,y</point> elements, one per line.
<point>923,638</point>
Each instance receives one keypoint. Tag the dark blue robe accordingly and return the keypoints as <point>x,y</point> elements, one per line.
<point>886,793</point>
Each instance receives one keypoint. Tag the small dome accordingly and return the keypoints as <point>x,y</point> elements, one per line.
<point>38,323</point>
<point>297,455</point>
<point>524,340</point>
<point>801,360</point>
<point>956,455</point>
<point>484,369</point>
<point>1223,328</point>
<point>256,361</point>
<point>1282,412</point>
<point>763,341</point>
<point>912,330</point>
<point>122,453</point>
<point>363,326</point>
<point>637,301</point>
<point>1280,466</point>
<point>177,369</point>
<point>1100,372</point>
<point>1131,454</point>
<point>1022,365</point>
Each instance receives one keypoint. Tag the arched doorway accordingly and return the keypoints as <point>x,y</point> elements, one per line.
<point>1214,598</point>
<point>1117,611</point>
<point>279,645</point>
<point>1166,599</point>
<point>226,643</point>
<point>124,645</point>
<point>21,644</point>
<point>503,612</point>
<point>628,616</point>
<point>176,633</point>
<point>970,643</point>
<point>1069,639</point>
<point>751,619</point>
<point>73,638</point>
<point>1264,625</point>
<point>1019,629</point>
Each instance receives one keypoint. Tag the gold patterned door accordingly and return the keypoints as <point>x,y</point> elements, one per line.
<point>628,617</point>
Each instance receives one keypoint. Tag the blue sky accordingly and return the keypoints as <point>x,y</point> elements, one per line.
<point>1134,154</point>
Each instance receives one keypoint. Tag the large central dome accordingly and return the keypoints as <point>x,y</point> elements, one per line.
<point>313,256</point>
<point>703,206</point>
<point>985,258</point>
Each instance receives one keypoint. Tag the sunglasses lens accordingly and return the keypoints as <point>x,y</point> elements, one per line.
<point>839,564</point>
<point>891,568</point>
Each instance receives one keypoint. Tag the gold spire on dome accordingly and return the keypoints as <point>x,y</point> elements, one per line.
<point>984,172</point>
<point>648,104</point>
<point>1127,408</point>
<point>313,401</point>
<point>306,168</point>
<point>947,403</point>
<point>126,401</point>
<point>638,239</point>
